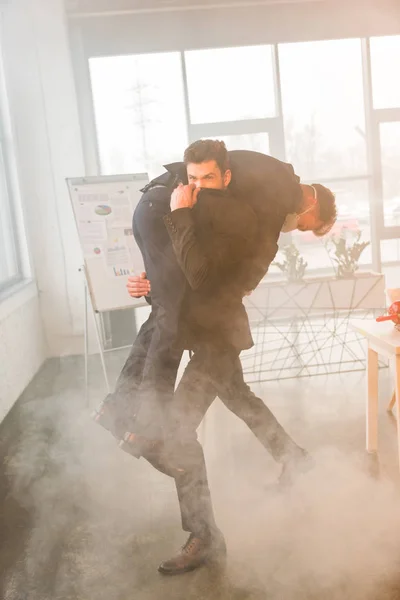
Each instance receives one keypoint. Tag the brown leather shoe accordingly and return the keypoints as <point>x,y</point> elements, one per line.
<point>196,552</point>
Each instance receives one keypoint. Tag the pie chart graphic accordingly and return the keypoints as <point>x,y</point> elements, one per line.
<point>103,210</point>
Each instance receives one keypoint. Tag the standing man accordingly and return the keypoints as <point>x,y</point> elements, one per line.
<point>216,240</point>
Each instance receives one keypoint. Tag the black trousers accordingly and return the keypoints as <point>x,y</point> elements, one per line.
<point>146,383</point>
<point>212,371</point>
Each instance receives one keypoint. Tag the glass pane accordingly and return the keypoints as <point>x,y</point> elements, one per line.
<point>230,84</point>
<point>323,108</point>
<point>139,110</point>
<point>390,156</point>
<point>8,251</point>
<point>353,216</point>
<point>390,253</point>
<point>258,142</point>
<point>385,64</point>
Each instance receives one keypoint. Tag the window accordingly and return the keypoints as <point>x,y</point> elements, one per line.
<point>139,111</point>
<point>390,157</point>
<point>230,84</point>
<point>390,255</point>
<point>258,142</point>
<point>385,64</point>
<point>146,112</point>
<point>10,270</point>
<point>323,108</point>
<point>390,251</point>
<point>9,263</point>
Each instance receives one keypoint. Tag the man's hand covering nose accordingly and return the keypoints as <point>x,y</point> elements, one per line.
<point>184,196</point>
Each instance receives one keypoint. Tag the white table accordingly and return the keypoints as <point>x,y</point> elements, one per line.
<point>383,339</point>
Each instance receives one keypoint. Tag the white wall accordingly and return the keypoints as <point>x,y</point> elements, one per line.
<point>43,318</point>
<point>44,107</point>
<point>22,345</point>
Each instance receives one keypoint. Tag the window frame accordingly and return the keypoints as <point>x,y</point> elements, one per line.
<point>84,47</point>
<point>11,197</point>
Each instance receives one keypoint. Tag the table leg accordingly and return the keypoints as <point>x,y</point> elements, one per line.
<point>397,392</point>
<point>392,402</point>
<point>372,401</point>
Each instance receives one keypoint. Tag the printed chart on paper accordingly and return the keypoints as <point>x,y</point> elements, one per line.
<point>103,209</point>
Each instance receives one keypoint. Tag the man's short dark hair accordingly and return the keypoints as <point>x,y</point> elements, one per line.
<point>327,209</point>
<point>205,150</point>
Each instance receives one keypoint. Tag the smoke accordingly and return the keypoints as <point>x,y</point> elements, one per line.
<point>84,496</point>
<point>101,520</point>
<point>334,533</point>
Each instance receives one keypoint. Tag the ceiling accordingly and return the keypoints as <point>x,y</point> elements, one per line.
<point>105,6</point>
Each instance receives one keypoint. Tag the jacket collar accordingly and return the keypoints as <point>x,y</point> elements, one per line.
<point>178,169</point>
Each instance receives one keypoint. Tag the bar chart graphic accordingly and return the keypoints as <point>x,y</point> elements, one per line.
<point>122,272</point>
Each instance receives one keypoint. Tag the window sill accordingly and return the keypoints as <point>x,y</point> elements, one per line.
<point>16,295</point>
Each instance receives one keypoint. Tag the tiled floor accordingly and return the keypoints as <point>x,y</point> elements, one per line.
<point>82,520</point>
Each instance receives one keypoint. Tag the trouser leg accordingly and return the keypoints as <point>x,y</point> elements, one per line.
<point>185,463</point>
<point>217,370</point>
<point>130,378</point>
<point>181,455</point>
<point>119,407</point>
<point>168,285</point>
<point>239,399</point>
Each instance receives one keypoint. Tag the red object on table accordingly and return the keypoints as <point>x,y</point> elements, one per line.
<point>394,314</point>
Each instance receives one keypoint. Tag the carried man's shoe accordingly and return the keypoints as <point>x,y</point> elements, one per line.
<point>133,444</point>
<point>137,445</point>
<point>196,552</point>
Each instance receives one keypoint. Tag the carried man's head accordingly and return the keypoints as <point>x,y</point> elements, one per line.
<point>317,213</point>
<point>207,166</point>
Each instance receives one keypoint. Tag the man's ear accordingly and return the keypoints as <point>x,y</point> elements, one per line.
<point>227,177</point>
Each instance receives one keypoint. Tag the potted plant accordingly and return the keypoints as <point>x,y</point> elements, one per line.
<point>346,255</point>
<point>293,266</point>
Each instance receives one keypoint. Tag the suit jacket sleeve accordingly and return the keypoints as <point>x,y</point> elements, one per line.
<point>198,268</point>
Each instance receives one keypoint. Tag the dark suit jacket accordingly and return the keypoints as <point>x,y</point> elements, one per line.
<point>211,241</point>
<point>271,188</point>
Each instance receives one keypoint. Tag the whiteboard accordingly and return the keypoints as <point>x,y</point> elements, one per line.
<point>103,208</point>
